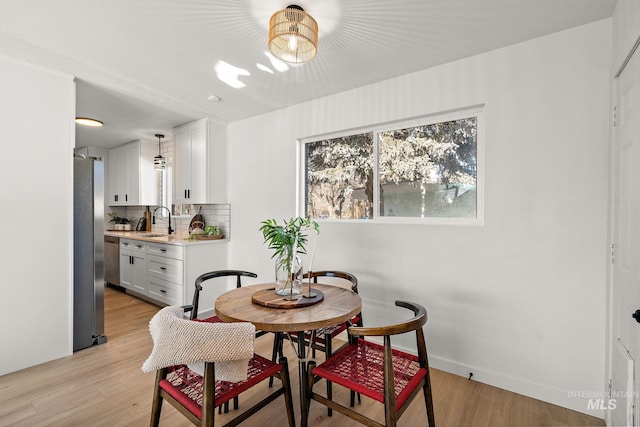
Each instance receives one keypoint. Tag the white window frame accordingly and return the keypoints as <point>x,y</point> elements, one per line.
<point>475,111</point>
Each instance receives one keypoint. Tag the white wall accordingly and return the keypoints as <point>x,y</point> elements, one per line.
<point>520,301</point>
<point>37,108</point>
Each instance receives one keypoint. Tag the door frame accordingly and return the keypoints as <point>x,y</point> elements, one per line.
<point>610,336</point>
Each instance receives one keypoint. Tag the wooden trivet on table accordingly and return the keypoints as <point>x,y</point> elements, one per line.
<point>269,298</point>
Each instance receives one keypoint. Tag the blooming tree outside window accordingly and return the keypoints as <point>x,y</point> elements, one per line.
<point>421,170</point>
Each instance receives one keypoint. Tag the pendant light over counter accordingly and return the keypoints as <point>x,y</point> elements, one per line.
<point>159,162</point>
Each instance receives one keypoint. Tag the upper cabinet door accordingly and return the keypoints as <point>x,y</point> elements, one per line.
<point>118,176</point>
<point>197,178</point>
<point>199,164</point>
<point>132,180</point>
<point>113,175</point>
<point>131,163</point>
<point>181,164</point>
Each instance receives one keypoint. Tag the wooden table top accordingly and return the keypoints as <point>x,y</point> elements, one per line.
<point>339,305</point>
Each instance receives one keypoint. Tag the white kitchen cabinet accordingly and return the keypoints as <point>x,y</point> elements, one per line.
<point>170,270</point>
<point>199,161</point>
<point>116,171</point>
<point>132,179</point>
<point>166,273</point>
<point>200,259</point>
<point>133,265</point>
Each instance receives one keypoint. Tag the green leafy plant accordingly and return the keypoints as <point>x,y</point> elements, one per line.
<point>211,230</point>
<point>288,239</point>
<point>117,219</point>
<point>283,237</point>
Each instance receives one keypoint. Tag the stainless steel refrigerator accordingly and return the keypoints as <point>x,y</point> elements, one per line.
<point>88,253</point>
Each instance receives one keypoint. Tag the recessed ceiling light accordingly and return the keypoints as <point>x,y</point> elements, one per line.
<point>214,98</point>
<point>86,121</point>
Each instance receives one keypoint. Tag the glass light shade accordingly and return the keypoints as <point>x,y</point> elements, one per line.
<point>159,162</point>
<point>293,35</point>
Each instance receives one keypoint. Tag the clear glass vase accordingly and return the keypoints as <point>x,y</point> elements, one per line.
<point>288,276</point>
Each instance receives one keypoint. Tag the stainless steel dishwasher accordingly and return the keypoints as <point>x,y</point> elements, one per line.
<point>112,260</point>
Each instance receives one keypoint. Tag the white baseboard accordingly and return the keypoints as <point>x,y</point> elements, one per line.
<point>517,385</point>
<point>547,394</point>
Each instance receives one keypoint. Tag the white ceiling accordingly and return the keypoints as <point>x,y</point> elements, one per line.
<point>144,66</point>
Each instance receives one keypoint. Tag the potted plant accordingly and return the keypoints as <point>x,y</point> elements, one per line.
<point>288,240</point>
<point>120,222</point>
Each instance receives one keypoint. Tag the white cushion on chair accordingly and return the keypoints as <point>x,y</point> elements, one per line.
<point>178,341</point>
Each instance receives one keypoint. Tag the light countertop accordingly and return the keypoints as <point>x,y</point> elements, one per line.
<point>150,236</point>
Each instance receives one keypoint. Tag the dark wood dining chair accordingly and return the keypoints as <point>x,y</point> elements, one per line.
<point>212,275</point>
<point>193,308</point>
<point>179,343</point>
<point>383,373</point>
<point>322,339</point>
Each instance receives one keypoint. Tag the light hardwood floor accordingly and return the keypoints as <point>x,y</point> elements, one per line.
<point>104,386</point>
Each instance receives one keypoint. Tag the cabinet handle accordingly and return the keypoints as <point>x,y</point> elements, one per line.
<point>163,268</point>
<point>163,250</point>
<point>138,246</point>
<point>130,259</point>
<point>126,197</point>
<point>125,244</point>
<point>185,194</point>
<point>115,198</point>
<point>163,291</point>
<point>188,194</point>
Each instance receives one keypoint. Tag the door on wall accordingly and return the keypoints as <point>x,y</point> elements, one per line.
<point>624,347</point>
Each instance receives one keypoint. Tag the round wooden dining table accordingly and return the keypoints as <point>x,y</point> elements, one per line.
<point>337,306</point>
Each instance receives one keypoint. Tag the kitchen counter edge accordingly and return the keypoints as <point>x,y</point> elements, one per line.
<point>168,239</point>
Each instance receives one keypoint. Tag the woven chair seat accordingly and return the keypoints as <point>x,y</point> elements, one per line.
<point>334,330</point>
<point>359,367</point>
<point>185,385</point>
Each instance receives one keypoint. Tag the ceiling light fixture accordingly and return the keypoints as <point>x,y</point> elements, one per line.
<point>158,161</point>
<point>86,121</point>
<point>293,35</point>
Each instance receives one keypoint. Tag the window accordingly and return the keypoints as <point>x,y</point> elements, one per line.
<point>339,172</point>
<point>423,169</point>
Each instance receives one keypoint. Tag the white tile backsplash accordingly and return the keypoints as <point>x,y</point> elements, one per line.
<point>215,214</point>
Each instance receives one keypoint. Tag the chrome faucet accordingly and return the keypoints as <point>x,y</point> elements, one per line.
<point>154,216</point>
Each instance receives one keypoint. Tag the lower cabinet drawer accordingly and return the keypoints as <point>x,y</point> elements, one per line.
<point>170,251</point>
<point>165,268</point>
<point>166,292</point>
<point>133,245</point>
